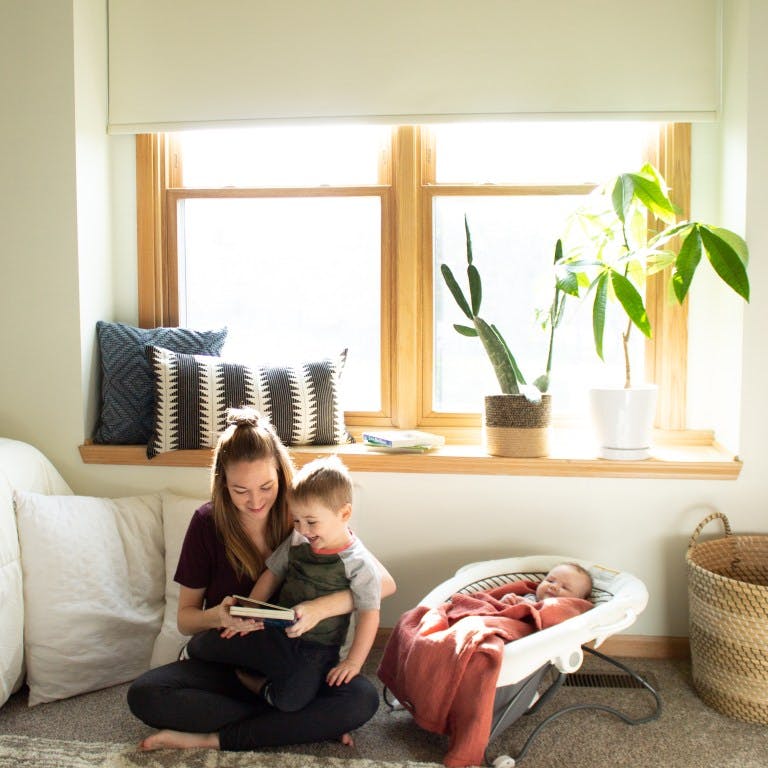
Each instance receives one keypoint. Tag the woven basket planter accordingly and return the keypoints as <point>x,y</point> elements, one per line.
<point>728,602</point>
<point>515,426</point>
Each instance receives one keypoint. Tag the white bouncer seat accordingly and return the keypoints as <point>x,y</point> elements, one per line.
<point>618,598</point>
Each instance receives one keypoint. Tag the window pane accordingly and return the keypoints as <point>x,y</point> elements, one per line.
<point>538,153</point>
<point>513,241</point>
<point>283,157</point>
<point>292,278</point>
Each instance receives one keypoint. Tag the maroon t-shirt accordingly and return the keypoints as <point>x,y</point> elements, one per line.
<point>203,562</point>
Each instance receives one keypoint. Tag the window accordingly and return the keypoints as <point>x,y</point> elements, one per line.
<point>339,233</point>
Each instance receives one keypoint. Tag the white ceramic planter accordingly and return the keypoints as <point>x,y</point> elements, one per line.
<point>623,420</point>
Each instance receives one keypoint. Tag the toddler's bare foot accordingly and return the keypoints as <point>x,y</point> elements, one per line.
<point>347,740</point>
<point>167,739</point>
<point>253,683</point>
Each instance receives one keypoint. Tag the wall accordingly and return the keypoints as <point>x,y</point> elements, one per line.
<point>67,200</point>
<point>39,295</point>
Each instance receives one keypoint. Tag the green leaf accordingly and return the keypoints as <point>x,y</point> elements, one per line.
<point>466,330</point>
<point>686,263</point>
<point>650,190</point>
<point>469,240</point>
<point>499,356</point>
<point>726,261</point>
<point>667,234</point>
<point>566,273</point>
<point>656,261</point>
<point>568,283</point>
<point>455,290</point>
<point>558,251</point>
<point>634,271</point>
<point>735,241</point>
<point>632,301</point>
<point>515,367</point>
<point>475,288</point>
<point>621,197</point>
<point>598,311</point>
<point>541,382</point>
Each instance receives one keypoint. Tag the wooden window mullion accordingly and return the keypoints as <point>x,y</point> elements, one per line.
<point>667,352</point>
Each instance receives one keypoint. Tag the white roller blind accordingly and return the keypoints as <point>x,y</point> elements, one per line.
<point>177,63</point>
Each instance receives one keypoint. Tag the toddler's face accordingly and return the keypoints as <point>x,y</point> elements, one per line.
<point>563,581</point>
<point>326,529</point>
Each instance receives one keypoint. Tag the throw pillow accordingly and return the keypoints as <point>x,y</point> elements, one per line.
<point>177,512</point>
<point>127,396</point>
<point>94,585</point>
<point>193,392</point>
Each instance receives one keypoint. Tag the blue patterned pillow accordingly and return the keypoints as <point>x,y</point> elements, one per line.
<point>127,393</point>
<point>193,393</point>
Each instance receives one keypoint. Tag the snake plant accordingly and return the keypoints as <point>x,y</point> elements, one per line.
<point>505,366</point>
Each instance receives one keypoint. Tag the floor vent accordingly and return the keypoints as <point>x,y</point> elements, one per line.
<point>597,680</point>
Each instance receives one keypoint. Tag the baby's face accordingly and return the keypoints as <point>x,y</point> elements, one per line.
<point>563,581</point>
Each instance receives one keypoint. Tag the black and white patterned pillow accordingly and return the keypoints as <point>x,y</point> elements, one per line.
<point>127,396</point>
<point>193,393</point>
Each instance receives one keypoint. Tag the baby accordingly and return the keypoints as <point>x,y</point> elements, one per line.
<point>564,580</point>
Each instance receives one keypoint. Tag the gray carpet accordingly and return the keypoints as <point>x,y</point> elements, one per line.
<point>98,730</point>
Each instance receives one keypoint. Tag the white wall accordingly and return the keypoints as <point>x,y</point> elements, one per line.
<point>40,386</point>
<point>67,199</point>
<point>94,219</point>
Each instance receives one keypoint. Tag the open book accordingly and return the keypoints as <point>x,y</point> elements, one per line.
<point>256,609</point>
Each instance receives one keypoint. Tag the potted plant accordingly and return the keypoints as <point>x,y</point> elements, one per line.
<point>611,252</point>
<point>516,422</point>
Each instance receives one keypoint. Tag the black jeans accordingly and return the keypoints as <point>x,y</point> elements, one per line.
<point>206,697</point>
<point>295,668</point>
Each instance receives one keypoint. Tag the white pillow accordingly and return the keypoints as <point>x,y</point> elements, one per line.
<point>93,590</point>
<point>177,512</point>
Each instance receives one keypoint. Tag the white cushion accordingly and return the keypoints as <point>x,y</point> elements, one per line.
<point>21,466</point>
<point>177,512</point>
<point>11,605</point>
<point>94,583</point>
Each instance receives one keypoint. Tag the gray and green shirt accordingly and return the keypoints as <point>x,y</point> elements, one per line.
<point>307,574</point>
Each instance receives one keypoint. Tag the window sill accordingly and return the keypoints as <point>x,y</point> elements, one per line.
<point>687,455</point>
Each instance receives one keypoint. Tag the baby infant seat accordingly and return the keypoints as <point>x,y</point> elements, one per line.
<point>556,651</point>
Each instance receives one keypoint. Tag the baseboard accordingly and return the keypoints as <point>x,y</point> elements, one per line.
<point>647,647</point>
<point>626,646</point>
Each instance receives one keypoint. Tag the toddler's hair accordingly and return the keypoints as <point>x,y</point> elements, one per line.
<point>325,480</point>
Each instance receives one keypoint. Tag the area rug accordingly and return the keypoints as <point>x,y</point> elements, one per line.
<point>26,751</point>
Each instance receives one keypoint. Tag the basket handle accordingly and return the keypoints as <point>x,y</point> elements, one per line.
<point>708,519</point>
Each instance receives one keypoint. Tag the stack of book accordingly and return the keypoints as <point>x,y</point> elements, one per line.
<point>402,440</point>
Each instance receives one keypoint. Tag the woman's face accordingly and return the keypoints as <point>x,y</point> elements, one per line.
<point>253,487</point>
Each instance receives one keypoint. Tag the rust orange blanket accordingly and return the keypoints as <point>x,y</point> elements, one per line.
<point>442,663</point>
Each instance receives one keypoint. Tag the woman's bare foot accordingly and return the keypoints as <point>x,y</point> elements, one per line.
<point>167,739</point>
<point>253,683</point>
<point>347,740</point>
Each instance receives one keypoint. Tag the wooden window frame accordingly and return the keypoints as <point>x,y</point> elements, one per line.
<point>407,188</point>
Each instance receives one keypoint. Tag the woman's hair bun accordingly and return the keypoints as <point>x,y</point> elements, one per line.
<point>243,417</point>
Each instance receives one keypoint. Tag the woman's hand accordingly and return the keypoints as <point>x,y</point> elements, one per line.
<point>235,625</point>
<point>343,672</point>
<point>308,614</point>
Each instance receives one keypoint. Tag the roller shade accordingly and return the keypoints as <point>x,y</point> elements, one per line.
<point>181,63</point>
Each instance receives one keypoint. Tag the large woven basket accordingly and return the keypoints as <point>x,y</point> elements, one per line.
<point>728,602</point>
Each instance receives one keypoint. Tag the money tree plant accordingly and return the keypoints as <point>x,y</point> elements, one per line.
<point>611,251</point>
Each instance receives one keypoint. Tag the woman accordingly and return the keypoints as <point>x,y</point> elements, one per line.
<point>202,704</point>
